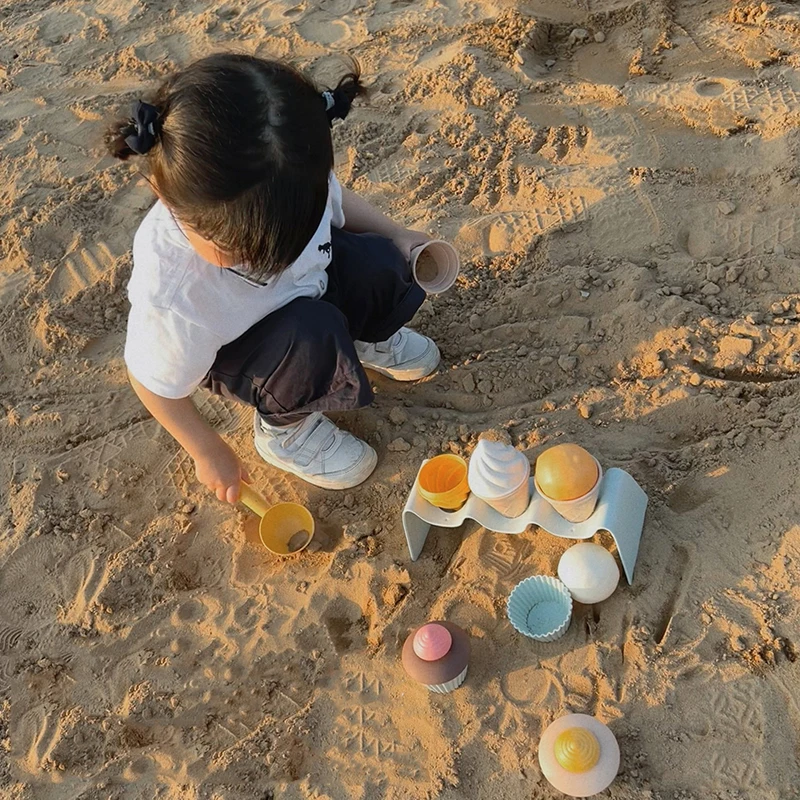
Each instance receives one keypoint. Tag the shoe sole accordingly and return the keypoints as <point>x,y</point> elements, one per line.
<point>428,367</point>
<point>364,469</point>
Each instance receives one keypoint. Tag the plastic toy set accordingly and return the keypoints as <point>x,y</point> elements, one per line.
<point>569,496</point>
<point>447,492</point>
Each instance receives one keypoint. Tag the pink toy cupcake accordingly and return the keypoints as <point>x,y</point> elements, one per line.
<point>437,656</point>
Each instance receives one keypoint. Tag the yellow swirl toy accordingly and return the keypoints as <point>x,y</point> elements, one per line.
<point>576,749</point>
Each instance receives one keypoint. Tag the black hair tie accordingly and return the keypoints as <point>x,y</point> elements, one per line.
<point>145,126</point>
<point>337,104</point>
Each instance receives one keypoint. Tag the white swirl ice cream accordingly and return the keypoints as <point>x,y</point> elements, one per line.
<point>500,476</point>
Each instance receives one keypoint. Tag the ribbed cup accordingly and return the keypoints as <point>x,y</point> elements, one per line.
<point>540,607</point>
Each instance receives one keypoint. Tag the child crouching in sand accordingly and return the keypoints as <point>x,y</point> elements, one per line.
<point>257,276</point>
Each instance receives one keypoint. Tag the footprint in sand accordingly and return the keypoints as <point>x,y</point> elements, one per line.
<point>37,733</point>
<point>190,611</point>
<point>709,88</point>
<point>9,638</point>
<point>80,270</point>
<point>736,711</point>
<point>681,570</point>
<point>514,231</point>
<point>391,172</point>
<point>565,143</point>
<point>340,631</point>
<point>12,285</point>
<point>85,576</point>
<point>28,587</point>
<point>528,686</point>
<point>249,614</point>
<point>325,31</point>
<point>172,477</point>
<point>478,618</point>
<point>224,416</point>
<point>336,8</point>
<point>738,235</point>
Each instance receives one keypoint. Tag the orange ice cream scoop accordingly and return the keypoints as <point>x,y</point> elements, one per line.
<point>566,472</point>
<point>443,481</point>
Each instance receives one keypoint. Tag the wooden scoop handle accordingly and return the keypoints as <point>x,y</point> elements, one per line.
<point>252,499</point>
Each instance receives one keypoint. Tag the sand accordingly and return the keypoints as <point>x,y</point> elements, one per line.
<point>621,179</point>
<point>426,269</point>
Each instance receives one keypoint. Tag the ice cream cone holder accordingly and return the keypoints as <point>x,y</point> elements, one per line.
<point>620,510</point>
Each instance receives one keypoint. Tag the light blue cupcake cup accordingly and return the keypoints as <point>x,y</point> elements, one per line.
<point>540,607</point>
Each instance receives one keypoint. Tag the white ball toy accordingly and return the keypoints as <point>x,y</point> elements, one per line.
<point>589,571</point>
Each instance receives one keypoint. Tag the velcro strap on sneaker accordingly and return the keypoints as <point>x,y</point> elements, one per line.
<point>314,443</point>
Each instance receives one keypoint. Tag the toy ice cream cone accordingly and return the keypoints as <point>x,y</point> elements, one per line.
<point>568,477</point>
<point>443,481</point>
<point>499,475</point>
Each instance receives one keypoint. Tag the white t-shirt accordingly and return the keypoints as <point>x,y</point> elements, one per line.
<point>183,309</point>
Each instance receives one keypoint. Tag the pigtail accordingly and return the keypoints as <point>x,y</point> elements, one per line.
<point>137,135</point>
<point>114,139</point>
<point>339,100</point>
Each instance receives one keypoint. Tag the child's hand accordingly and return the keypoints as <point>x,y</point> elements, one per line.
<point>222,472</point>
<point>407,239</point>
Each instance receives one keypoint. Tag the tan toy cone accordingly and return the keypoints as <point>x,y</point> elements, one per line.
<point>581,508</point>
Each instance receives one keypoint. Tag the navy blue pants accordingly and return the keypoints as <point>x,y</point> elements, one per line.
<point>301,358</point>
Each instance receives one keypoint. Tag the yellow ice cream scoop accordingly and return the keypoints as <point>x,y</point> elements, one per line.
<point>579,755</point>
<point>576,749</point>
<point>566,472</point>
<point>285,528</point>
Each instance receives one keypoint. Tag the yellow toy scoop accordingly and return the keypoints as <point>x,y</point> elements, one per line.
<point>285,528</point>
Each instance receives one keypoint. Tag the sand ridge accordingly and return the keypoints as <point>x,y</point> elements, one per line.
<point>621,181</point>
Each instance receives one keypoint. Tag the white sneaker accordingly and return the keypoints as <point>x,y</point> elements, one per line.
<point>316,451</point>
<point>407,356</point>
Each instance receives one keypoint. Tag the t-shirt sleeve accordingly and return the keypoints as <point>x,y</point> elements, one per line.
<point>337,217</point>
<point>166,353</point>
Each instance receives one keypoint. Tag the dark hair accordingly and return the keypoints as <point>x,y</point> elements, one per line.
<point>240,150</point>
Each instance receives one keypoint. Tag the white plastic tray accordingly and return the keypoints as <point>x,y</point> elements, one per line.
<point>620,511</point>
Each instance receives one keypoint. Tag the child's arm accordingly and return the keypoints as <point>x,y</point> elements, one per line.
<point>362,217</point>
<point>216,464</point>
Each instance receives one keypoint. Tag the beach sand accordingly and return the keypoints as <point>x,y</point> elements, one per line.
<point>625,201</point>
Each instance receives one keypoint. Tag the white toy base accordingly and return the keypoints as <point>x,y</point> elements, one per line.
<point>620,510</point>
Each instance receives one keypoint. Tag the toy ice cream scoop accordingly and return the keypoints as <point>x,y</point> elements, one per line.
<point>579,755</point>
<point>565,472</point>
<point>443,481</point>
<point>568,477</point>
<point>499,474</point>
<point>285,528</point>
<point>437,656</point>
<point>589,571</point>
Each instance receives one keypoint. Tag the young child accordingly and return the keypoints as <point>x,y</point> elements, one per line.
<point>257,276</point>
